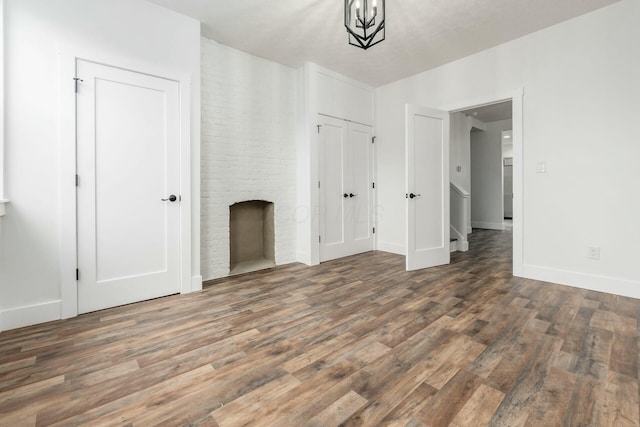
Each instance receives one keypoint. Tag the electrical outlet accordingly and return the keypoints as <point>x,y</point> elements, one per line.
<point>593,253</point>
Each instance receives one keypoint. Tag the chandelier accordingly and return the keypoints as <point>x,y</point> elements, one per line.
<point>364,21</point>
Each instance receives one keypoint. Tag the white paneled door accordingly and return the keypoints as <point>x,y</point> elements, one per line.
<point>427,187</point>
<point>128,186</point>
<point>346,194</point>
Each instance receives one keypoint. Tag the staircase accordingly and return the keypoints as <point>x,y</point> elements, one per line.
<point>459,218</point>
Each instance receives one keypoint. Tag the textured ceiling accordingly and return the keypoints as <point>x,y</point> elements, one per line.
<point>420,34</point>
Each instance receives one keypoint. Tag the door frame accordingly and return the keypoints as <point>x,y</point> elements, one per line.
<point>516,96</point>
<point>67,58</point>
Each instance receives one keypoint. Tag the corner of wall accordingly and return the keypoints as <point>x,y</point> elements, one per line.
<point>393,248</point>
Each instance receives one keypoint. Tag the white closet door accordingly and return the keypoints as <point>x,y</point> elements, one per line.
<point>333,193</point>
<point>359,170</point>
<point>346,196</point>
<point>128,160</point>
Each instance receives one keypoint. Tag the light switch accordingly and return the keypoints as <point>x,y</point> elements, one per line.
<point>541,167</point>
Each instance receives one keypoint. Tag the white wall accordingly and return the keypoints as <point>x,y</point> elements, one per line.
<point>459,150</point>
<point>248,148</point>
<point>580,107</point>
<point>135,31</point>
<point>2,207</point>
<point>460,129</point>
<point>486,176</point>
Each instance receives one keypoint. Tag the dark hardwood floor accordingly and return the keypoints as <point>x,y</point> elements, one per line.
<point>357,341</point>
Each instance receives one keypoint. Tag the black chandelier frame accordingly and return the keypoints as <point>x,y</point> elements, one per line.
<point>369,29</point>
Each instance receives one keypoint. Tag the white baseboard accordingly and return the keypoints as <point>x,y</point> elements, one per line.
<point>469,230</point>
<point>463,246</point>
<point>19,317</point>
<point>610,285</point>
<point>455,234</point>
<point>196,283</point>
<point>488,225</point>
<point>303,258</point>
<point>393,248</point>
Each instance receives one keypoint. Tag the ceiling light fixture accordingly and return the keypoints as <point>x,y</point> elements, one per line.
<point>364,22</point>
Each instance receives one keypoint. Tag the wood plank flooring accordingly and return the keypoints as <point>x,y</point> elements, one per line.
<point>352,342</point>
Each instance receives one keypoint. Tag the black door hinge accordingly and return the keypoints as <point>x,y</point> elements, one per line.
<point>374,230</point>
<point>77,180</point>
<point>373,139</point>
<point>319,126</point>
<point>319,239</point>
<point>77,274</point>
<point>373,185</point>
<point>76,80</point>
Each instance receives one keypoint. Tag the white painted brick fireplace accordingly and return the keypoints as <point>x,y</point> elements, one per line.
<point>248,149</point>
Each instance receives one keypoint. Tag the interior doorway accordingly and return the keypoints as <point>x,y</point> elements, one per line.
<point>488,118</point>
<point>487,164</point>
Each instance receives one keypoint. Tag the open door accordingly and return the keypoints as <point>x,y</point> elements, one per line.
<point>427,184</point>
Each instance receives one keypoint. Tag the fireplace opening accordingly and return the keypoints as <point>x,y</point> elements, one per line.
<point>251,236</point>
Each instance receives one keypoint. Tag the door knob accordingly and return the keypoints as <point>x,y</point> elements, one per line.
<point>345,195</point>
<point>352,195</point>
<point>172,198</point>
<point>413,196</point>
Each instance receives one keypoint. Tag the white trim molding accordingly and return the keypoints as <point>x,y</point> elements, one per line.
<point>488,225</point>
<point>196,284</point>
<point>3,209</point>
<point>20,317</point>
<point>462,244</point>
<point>461,191</point>
<point>607,284</point>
